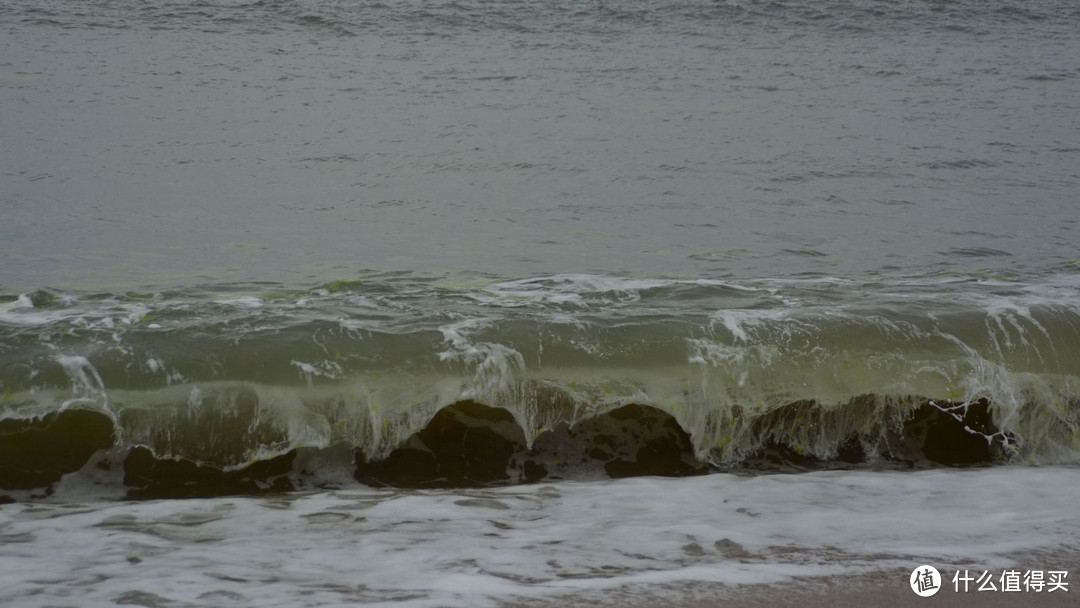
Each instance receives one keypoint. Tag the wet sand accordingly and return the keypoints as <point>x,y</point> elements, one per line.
<point>880,589</point>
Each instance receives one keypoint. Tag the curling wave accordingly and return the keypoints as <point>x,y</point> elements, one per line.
<point>421,382</point>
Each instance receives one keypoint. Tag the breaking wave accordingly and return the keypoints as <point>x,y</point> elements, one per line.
<point>419,382</point>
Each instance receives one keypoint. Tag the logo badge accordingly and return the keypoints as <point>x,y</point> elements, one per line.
<point>925,581</point>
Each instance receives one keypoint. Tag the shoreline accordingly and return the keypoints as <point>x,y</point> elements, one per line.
<point>885,588</point>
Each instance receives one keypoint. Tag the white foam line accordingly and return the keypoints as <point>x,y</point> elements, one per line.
<point>477,548</point>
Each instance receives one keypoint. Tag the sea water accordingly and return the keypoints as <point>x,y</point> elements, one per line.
<point>400,296</point>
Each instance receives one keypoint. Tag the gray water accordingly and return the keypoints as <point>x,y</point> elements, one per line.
<point>294,249</point>
<point>353,214</point>
<point>167,144</point>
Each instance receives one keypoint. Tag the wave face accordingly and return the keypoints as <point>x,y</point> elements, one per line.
<point>417,381</point>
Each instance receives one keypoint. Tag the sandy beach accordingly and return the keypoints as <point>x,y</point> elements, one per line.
<point>884,589</point>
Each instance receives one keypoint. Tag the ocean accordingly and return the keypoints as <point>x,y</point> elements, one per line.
<point>530,302</point>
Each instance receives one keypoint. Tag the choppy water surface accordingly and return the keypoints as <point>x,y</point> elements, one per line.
<point>324,246</point>
<point>172,143</point>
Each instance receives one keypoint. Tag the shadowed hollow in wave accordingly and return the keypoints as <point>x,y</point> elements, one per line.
<point>469,444</point>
